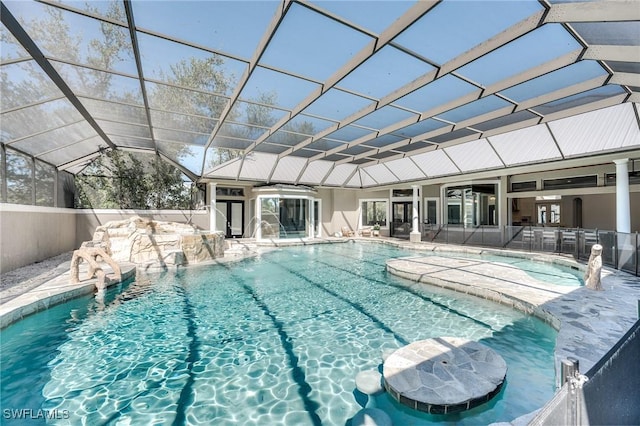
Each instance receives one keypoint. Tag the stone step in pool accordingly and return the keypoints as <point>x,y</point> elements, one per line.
<point>444,375</point>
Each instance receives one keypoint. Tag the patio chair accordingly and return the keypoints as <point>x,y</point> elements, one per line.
<point>346,232</point>
<point>365,232</point>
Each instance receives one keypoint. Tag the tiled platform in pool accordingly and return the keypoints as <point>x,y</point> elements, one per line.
<point>444,375</point>
<point>589,322</point>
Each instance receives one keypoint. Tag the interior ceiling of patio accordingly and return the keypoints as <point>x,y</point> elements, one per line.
<point>332,93</point>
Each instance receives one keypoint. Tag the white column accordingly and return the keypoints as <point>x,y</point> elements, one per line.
<point>310,217</point>
<point>258,214</point>
<point>623,209</point>
<point>212,206</point>
<point>415,235</point>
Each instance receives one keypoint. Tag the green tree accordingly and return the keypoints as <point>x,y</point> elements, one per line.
<point>120,179</point>
<point>167,188</point>
<point>190,102</point>
<point>196,107</point>
<point>116,180</point>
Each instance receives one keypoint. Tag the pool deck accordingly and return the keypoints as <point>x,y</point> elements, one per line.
<point>38,287</point>
<point>589,322</point>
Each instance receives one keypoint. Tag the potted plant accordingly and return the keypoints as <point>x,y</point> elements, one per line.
<point>376,230</point>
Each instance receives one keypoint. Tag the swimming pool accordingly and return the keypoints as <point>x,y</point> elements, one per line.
<point>274,340</point>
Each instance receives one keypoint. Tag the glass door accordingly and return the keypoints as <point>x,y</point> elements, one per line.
<point>401,212</point>
<point>230,218</point>
<point>548,213</point>
<point>317,208</point>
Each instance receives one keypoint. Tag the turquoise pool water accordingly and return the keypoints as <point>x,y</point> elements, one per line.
<point>274,340</point>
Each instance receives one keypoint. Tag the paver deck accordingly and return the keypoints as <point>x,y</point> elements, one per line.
<point>589,322</point>
<point>52,292</point>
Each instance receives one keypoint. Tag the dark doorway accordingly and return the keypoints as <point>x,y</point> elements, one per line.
<point>401,218</point>
<point>577,212</point>
<point>230,218</point>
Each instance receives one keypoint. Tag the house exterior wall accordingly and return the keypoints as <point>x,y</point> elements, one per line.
<point>31,233</point>
<point>325,196</point>
<point>345,213</point>
<point>598,203</point>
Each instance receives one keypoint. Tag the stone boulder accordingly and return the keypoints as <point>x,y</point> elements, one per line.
<point>153,243</point>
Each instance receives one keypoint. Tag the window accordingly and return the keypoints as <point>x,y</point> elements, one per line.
<point>571,182</point>
<point>431,214</point>
<point>229,192</point>
<point>270,219</point>
<point>317,217</point>
<point>374,212</point>
<point>523,186</point>
<point>548,213</point>
<point>472,205</point>
<point>282,218</point>
<point>402,192</point>
<point>610,179</point>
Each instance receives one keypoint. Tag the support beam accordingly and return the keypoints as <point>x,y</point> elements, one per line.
<point>33,180</point>
<point>612,53</point>
<point>211,186</point>
<point>276,20</point>
<point>3,166</point>
<point>623,207</point>
<point>30,46</point>
<point>597,11</point>
<point>410,16</point>
<point>136,53</point>
<point>625,79</point>
<point>415,235</point>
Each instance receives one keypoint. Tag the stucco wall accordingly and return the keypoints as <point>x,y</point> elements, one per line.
<point>599,211</point>
<point>30,234</point>
<point>345,212</point>
<point>327,209</point>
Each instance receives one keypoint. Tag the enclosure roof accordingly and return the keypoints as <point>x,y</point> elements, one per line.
<point>333,93</point>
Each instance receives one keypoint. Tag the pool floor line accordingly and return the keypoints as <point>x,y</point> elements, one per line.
<point>356,306</point>
<point>299,377</point>
<point>193,355</point>
<point>413,292</point>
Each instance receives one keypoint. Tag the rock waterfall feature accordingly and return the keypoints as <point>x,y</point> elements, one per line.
<point>156,244</point>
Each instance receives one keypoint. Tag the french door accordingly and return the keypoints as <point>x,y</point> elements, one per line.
<point>401,218</point>
<point>230,218</point>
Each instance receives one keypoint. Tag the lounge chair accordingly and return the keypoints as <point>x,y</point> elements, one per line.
<point>346,232</point>
<point>365,232</point>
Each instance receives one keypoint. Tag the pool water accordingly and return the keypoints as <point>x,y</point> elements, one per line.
<point>277,339</point>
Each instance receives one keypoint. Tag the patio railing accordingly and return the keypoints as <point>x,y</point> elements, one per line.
<point>620,250</point>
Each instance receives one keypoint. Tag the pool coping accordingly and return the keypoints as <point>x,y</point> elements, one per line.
<point>59,289</point>
<point>55,291</point>
<point>589,323</point>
